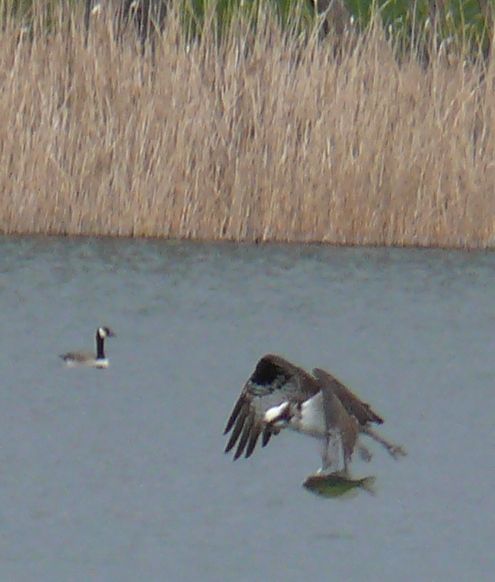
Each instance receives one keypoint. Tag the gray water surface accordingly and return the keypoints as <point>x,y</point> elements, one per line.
<point>120,474</point>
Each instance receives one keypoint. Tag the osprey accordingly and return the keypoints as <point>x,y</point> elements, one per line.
<point>280,395</point>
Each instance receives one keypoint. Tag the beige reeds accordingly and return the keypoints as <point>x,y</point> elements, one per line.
<point>255,138</point>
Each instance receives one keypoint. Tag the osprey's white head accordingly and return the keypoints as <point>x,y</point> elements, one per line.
<point>278,416</point>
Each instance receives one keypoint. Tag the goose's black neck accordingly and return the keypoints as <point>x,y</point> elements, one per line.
<point>100,348</point>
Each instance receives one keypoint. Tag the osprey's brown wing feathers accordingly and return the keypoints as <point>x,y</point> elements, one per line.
<point>274,380</point>
<point>337,418</point>
<point>361,411</point>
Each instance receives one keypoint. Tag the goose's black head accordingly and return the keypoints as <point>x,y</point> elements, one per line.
<point>104,332</point>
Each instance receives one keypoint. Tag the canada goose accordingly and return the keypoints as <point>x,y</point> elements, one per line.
<point>99,360</point>
<point>279,394</point>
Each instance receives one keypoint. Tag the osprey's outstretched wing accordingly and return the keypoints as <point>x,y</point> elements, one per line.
<point>361,411</point>
<point>274,381</point>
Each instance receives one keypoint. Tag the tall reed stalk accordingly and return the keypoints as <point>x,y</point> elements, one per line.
<point>253,135</point>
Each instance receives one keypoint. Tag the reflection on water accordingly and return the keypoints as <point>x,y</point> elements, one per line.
<point>121,472</point>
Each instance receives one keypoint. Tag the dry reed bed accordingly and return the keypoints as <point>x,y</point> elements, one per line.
<point>277,142</point>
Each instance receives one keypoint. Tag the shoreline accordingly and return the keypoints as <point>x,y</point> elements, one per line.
<point>248,243</point>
